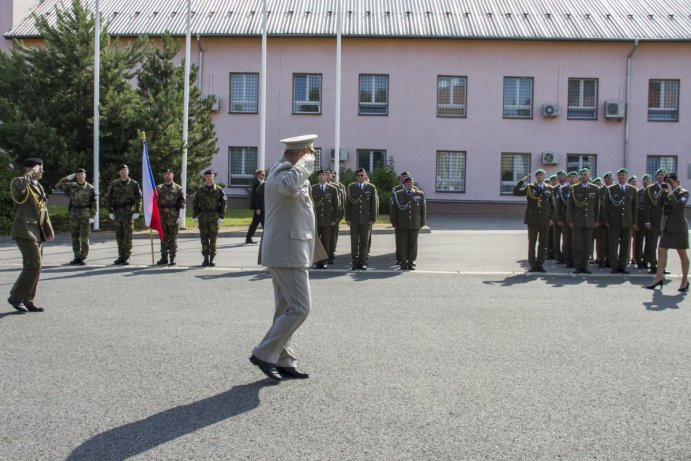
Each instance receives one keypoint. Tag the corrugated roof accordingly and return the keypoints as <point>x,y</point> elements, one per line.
<point>464,19</point>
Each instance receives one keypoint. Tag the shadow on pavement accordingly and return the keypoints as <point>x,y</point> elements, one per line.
<point>253,275</point>
<point>661,302</point>
<point>135,438</point>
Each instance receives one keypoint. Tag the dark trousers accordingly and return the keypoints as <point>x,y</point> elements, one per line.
<point>25,286</point>
<point>550,242</point>
<point>334,240</point>
<point>256,220</point>
<point>359,242</point>
<point>556,242</point>
<point>651,241</point>
<point>408,244</point>
<point>602,243</point>
<point>619,239</point>
<point>639,237</point>
<point>537,235</point>
<point>581,238</point>
<point>567,251</point>
<point>325,234</point>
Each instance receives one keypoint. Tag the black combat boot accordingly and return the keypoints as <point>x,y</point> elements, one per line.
<point>172,260</point>
<point>119,260</point>
<point>163,261</point>
<point>206,261</point>
<point>211,261</point>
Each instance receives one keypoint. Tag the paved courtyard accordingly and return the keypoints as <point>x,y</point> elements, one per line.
<point>468,357</point>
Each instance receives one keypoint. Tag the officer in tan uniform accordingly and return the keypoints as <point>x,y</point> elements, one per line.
<point>171,207</point>
<point>539,213</point>
<point>408,215</point>
<point>326,211</point>
<point>621,217</point>
<point>582,215</point>
<point>30,228</point>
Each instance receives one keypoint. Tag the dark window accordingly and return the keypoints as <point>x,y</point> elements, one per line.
<point>518,97</point>
<point>244,93</point>
<point>450,171</point>
<point>451,96</point>
<point>663,101</point>
<point>582,99</point>
<point>374,94</point>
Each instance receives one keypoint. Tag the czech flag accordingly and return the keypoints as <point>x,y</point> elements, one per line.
<point>150,196</point>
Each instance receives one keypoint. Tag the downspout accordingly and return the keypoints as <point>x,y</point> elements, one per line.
<point>200,78</point>
<point>629,58</point>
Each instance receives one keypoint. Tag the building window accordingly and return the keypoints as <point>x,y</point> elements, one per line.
<point>307,94</point>
<point>574,162</point>
<point>242,164</point>
<point>244,93</point>
<point>513,168</point>
<point>451,96</point>
<point>318,158</point>
<point>663,101</point>
<point>370,159</point>
<point>374,94</point>
<point>518,97</point>
<point>582,99</point>
<point>655,162</point>
<point>450,171</point>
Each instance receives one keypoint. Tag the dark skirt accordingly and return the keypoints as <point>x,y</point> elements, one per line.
<point>674,240</point>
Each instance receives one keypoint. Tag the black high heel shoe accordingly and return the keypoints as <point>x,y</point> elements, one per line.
<point>652,287</point>
<point>685,289</point>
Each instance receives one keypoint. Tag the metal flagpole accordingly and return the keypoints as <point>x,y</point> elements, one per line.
<point>97,97</point>
<point>262,93</point>
<point>337,136</point>
<point>186,104</point>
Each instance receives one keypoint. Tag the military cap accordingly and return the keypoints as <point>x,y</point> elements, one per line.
<point>573,173</point>
<point>661,171</point>
<point>210,171</point>
<point>300,142</point>
<point>409,178</point>
<point>554,176</point>
<point>608,174</point>
<point>633,176</point>
<point>322,171</point>
<point>167,170</point>
<point>540,171</point>
<point>360,170</point>
<point>405,173</point>
<point>646,176</point>
<point>79,170</point>
<point>672,175</point>
<point>32,162</point>
<point>122,165</point>
<point>561,172</point>
<point>622,170</point>
<point>598,179</point>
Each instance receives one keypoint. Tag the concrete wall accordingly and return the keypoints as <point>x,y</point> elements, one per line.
<point>12,12</point>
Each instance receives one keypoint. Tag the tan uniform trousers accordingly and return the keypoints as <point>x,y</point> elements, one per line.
<point>25,286</point>
<point>293,301</point>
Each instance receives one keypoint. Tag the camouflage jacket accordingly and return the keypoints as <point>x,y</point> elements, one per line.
<point>209,201</point>
<point>124,198</point>
<point>82,198</point>
<point>170,200</point>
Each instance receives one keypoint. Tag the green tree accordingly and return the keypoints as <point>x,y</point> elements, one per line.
<point>7,173</point>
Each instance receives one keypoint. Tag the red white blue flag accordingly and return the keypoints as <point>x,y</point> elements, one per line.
<point>150,195</point>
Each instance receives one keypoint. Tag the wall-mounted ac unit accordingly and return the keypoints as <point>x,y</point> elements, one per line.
<point>550,110</point>
<point>343,154</point>
<point>615,109</point>
<point>550,158</point>
<point>216,105</point>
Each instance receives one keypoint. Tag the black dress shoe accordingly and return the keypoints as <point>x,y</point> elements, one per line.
<point>586,271</point>
<point>250,242</point>
<point>624,270</point>
<point>614,270</point>
<point>332,261</point>
<point>653,270</point>
<point>541,269</point>
<point>17,304</point>
<point>33,307</point>
<point>267,368</point>
<point>292,372</point>
<point>533,269</point>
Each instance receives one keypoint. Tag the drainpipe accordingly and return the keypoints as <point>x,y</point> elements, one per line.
<point>628,102</point>
<point>200,77</point>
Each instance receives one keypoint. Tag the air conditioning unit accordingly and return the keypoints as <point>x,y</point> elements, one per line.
<point>550,110</point>
<point>550,158</point>
<point>342,155</point>
<point>216,105</point>
<point>615,109</point>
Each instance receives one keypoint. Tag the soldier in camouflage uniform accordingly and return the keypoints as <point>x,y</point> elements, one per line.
<point>209,209</point>
<point>124,203</point>
<point>82,210</point>
<point>408,214</point>
<point>171,208</point>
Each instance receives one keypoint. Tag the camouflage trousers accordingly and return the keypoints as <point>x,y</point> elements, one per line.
<point>169,242</point>
<point>208,232</point>
<point>124,228</point>
<point>79,231</point>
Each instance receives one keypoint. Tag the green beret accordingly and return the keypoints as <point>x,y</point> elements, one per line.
<point>585,170</point>
<point>608,174</point>
<point>661,171</point>
<point>633,176</point>
<point>540,171</point>
<point>646,176</point>
<point>553,177</point>
<point>598,179</point>
<point>573,173</point>
<point>622,170</point>
<point>561,172</point>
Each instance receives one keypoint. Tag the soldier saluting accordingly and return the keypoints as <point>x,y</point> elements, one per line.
<point>82,209</point>
<point>408,215</point>
<point>539,213</point>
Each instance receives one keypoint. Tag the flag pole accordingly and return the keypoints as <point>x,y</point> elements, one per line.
<point>97,96</point>
<point>151,238</point>
<point>186,104</point>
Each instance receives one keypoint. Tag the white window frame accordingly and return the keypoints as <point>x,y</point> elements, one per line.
<point>309,78</point>
<point>450,105</point>
<point>372,88</point>
<point>243,101</point>
<point>662,109</point>
<point>518,159</point>
<point>582,163</point>
<point>248,163</point>
<point>581,111</point>
<point>371,164</point>
<point>452,160</point>
<point>668,162</point>
<point>515,108</point>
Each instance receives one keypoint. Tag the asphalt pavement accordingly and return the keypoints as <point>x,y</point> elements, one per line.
<point>467,357</point>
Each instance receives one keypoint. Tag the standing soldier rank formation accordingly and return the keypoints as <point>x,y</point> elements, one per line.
<point>361,212</point>
<point>124,203</point>
<point>538,216</point>
<point>81,210</point>
<point>171,208</point>
<point>326,201</point>
<point>620,218</point>
<point>209,209</point>
<point>407,214</point>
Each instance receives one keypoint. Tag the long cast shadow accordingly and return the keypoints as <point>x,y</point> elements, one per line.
<point>135,438</point>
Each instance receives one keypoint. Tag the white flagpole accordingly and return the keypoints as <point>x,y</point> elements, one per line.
<point>97,97</point>
<point>186,104</point>
<point>337,136</point>
<point>262,93</point>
